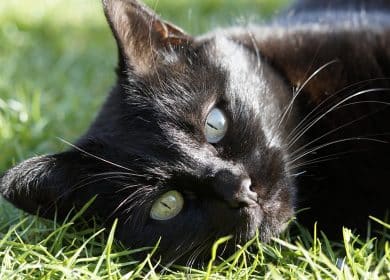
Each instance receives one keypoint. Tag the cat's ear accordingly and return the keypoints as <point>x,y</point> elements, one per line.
<point>44,184</point>
<point>140,34</point>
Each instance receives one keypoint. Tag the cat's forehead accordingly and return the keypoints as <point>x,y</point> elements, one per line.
<point>218,72</point>
<point>230,54</point>
<point>241,67</point>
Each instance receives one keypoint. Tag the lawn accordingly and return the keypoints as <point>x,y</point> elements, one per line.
<point>56,66</point>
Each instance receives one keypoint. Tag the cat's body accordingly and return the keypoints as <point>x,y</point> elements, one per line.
<point>268,84</point>
<point>346,178</point>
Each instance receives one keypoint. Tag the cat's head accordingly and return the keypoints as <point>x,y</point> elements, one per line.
<point>189,145</point>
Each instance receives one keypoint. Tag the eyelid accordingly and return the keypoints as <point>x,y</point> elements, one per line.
<point>209,107</point>
<point>212,149</point>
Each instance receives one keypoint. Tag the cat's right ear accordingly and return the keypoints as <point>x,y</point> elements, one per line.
<point>141,35</point>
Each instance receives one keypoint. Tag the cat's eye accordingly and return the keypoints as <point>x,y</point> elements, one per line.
<point>215,126</point>
<point>167,206</point>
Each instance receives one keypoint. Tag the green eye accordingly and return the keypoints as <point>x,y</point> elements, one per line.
<point>167,206</point>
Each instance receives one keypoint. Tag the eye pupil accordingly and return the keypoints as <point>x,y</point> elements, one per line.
<point>216,126</point>
<point>210,125</point>
<point>166,205</point>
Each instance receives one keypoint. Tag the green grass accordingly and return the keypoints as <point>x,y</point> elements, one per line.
<point>31,248</point>
<point>56,66</point>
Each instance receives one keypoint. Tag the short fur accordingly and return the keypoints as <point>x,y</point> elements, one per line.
<point>307,100</point>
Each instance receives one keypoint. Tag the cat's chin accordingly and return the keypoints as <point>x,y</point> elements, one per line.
<point>257,221</point>
<point>252,218</point>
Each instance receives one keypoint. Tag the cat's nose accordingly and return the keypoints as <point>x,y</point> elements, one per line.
<point>235,189</point>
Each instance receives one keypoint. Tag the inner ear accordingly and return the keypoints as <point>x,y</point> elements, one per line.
<point>140,34</point>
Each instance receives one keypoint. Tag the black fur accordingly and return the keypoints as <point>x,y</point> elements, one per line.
<point>149,135</point>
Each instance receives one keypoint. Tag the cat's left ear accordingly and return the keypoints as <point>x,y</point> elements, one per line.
<point>141,35</point>
<point>48,185</point>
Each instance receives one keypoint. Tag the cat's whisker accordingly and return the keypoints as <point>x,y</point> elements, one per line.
<point>195,253</point>
<point>311,162</point>
<point>199,249</point>
<point>319,160</point>
<point>180,250</point>
<point>139,196</point>
<point>366,101</point>
<point>287,110</point>
<point>128,199</point>
<point>192,258</point>
<point>124,174</point>
<point>127,187</point>
<point>81,184</point>
<point>135,200</point>
<point>111,174</point>
<point>316,120</point>
<point>308,162</point>
<point>322,103</point>
<point>336,142</point>
<point>294,175</point>
<point>94,156</point>
<point>106,176</point>
<point>340,127</point>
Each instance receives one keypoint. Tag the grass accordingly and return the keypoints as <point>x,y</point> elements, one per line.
<point>56,66</point>
<point>31,248</point>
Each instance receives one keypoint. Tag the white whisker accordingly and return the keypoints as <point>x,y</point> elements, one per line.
<point>91,155</point>
<point>335,129</point>
<point>312,123</point>
<point>299,90</point>
<point>316,108</point>
<point>336,142</point>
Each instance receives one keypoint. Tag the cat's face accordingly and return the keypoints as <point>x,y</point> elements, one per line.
<point>188,146</point>
<point>232,177</point>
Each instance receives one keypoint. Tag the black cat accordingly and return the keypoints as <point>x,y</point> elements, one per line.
<point>230,132</point>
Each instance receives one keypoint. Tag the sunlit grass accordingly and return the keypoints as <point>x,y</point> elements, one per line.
<point>56,66</point>
<point>32,248</point>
